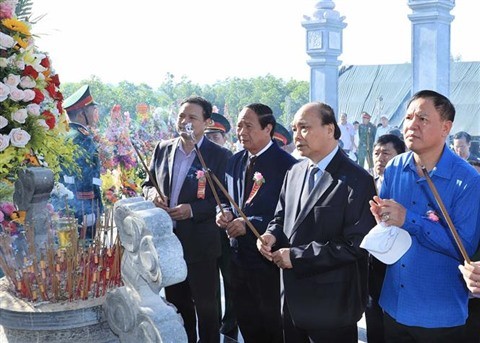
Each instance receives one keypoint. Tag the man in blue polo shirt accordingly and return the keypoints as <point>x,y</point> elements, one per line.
<point>423,296</point>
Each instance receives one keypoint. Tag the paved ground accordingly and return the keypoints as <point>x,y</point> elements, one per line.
<point>362,333</point>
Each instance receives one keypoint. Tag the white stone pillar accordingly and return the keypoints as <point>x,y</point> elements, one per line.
<point>431,44</point>
<point>324,45</point>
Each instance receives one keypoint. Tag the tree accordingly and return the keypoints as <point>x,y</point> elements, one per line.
<point>233,93</point>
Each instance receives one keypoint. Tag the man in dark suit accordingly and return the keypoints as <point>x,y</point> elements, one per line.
<point>321,217</point>
<point>191,205</point>
<point>254,177</point>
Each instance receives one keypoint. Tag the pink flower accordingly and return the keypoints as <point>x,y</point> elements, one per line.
<point>4,142</point>
<point>12,80</point>
<point>50,208</point>
<point>33,109</point>
<point>258,178</point>
<point>7,208</point>
<point>16,94</point>
<point>19,137</point>
<point>27,82</point>
<point>200,174</point>
<point>20,115</point>
<point>4,91</point>
<point>28,95</point>
<point>431,215</point>
<point>6,10</point>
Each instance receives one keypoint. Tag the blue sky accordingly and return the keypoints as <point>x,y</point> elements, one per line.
<point>210,40</point>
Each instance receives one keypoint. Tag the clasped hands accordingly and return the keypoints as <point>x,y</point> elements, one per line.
<point>281,257</point>
<point>179,212</point>
<point>234,227</point>
<point>471,275</point>
<point>388,211</point>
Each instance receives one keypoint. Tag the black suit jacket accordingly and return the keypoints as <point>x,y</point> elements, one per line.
<point>272,164</point>
<point>327,286</point>
<point>199,234</point>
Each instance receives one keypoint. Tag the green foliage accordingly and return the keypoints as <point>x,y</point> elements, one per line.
<point>23,10</point>
<point>284,97</point>
<point>6,190</point>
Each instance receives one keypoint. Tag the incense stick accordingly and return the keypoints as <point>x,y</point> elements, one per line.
<point>150,176</point>
<point>239,210</point>
<point>439,201</point>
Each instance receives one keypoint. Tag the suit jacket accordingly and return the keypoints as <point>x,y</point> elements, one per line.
<point>199,234</point>
<point>327,286</point>
<point>272,164</point>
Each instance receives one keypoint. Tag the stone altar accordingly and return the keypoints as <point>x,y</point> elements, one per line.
<point>151,261</point>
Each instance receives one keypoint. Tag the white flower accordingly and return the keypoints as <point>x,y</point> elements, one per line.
<point>19,137</point>
<point>12,80</point>
<point>6,41</point>
<point>3,62</point>
<point>16,94</point>
<point>36,63</point>
<point>20,115</point>
<point>28,95</point>
<point>4,91</point>
<point>4,142</point>
<point>33,109</point>
<point>27,82</point>
<point>3,122</point>
<point>43,123</point>
<point>20,64</point>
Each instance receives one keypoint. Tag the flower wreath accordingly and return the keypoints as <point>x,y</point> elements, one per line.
<point>32,121</point>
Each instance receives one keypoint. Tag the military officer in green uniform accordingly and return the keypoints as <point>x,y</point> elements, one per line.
<point>366,135</point>
<point>84,181</point>
<point>283,137</point>
<point>218,129</point>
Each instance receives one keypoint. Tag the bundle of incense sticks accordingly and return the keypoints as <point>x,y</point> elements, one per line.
<point>73,270</point>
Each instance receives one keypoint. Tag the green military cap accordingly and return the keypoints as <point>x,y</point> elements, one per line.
<point>78,100</point>
<point>218,123</point>
<point>282,135</point>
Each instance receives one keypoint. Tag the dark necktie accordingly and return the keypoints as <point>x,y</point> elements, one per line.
<point>311,178</point>
<point>249,171</point>
<point>308,187</point>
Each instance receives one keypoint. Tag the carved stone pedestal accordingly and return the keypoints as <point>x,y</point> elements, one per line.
<point>80,321</point>
<point>153,259</point>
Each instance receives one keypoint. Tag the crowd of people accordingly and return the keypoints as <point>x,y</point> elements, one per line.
<point>285,229</point>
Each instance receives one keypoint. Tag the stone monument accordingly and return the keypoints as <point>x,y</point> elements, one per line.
<point>324,45</point>
<point>152,260</point>
<point>32,191</point>
<point>431,21</point>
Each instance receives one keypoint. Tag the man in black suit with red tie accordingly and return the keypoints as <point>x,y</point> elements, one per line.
<point>254,177</point>
<point>191,206</point>
<point>321,217</point>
